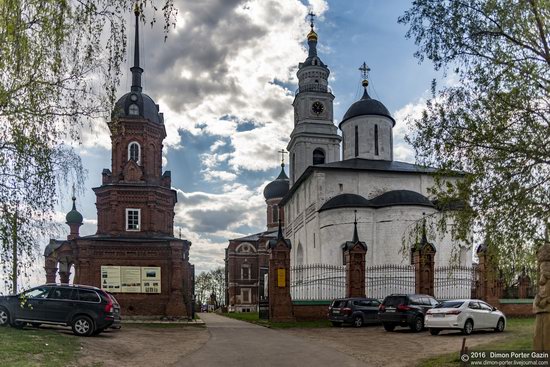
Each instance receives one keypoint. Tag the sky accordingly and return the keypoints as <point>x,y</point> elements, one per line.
<point>225,81</point>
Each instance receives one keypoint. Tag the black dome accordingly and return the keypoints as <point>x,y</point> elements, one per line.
<point>345,201</point>
<point>279,187</point>
<point>401,197</point>
<point>367,106</point>
<point>147,107</point>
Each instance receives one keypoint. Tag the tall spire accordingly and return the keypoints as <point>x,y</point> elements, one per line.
<point>355,234</point>
<point>74,199</point>
<point>365,82</point>
<point>312,37</point>
<point>280,232</point>
<point>136,69</point>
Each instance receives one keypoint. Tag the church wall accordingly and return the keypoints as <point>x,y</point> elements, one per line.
<point>365,129</point>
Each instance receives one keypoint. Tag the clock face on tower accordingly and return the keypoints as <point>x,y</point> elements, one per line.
<point>317,108</point>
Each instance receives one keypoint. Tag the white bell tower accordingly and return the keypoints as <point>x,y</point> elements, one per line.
<point>314,139</point>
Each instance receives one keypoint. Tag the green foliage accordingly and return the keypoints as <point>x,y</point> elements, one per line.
<point>491,121</point>
<point>59,69</point>
<point>208,283</point>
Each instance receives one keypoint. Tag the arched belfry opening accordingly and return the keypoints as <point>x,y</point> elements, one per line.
<point>318,156</point>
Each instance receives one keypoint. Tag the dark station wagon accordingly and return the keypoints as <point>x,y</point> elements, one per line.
<point>87,310</point>
<point>355,311</point>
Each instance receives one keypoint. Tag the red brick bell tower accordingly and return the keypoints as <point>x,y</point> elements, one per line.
<point>134,253</point>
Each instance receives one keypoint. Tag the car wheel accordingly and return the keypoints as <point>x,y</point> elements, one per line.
<point>434,331</point>
<point>4,317</point>
<point>389,327</point>
<point>98,331</point>
<point>82,326</point>
<point>358,321</point>
<point>334,323</point>
<point>468,327</point>
<point>417,325</point>
<point>18,324</point>
<point>500,325</point>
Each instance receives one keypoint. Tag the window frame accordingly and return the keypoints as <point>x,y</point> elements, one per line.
<point>128,229</point>
<point>138,161</point>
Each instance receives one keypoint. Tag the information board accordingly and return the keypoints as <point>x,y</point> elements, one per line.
<point>281,278</point>
<point>110,278</point>
<point>131,279</point>
<point>150,279</point>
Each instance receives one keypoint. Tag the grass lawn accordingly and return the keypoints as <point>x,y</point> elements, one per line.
<point>31,347</point>
<point>253,317</point>
<point>519,336</point>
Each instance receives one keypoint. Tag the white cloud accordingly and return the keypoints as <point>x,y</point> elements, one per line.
<point>403,120</point>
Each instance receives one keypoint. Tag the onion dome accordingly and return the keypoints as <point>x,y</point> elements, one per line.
<point>401,197</point>
<point>136,104</point>
<point>367,106</point>
<point>312,36</point>
<point>279,187</point>
<point>74,217</point>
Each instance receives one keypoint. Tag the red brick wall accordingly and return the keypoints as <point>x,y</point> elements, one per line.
<point>310,312</point>
<point>515,309</point>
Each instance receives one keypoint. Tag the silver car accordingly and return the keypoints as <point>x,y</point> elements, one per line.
<point>466,315</point>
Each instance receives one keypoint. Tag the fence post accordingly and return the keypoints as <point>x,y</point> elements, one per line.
<point>280,303</point>
<point>524,281</point>
<point>423,254</point>
<point>354,256</point>
<point>490,285</point>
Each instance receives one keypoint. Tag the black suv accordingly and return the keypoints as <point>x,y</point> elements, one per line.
<point>356,311</point>
<point>88,310</point>
<point>405,310</point>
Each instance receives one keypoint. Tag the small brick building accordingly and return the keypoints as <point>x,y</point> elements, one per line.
<point>247,258</point>
<point>134,253</point>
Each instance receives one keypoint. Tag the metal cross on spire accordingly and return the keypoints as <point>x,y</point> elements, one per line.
<point>311,16</point>
<point>283,152</point>
<point>364,70</point>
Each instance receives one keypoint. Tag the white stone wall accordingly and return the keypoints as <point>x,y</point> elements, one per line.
<point>365,128</point>
<point>382,229</point>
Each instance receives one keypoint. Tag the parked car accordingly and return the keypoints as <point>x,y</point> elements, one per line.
<point>466,315</point>
<point>356,311</point>
<point>406,310</point>
<point>117,323</point>
<point>87,310</point>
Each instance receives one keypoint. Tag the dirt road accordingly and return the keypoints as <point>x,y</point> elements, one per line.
<point>377,347</point>
<point>138,345</point>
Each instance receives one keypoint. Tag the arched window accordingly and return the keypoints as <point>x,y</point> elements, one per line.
<point>133,109</point>
<point>318,156</point>
<point>299,254</point>
<point>134,152</point>
<point>275,209</point>
<point>375,139</point>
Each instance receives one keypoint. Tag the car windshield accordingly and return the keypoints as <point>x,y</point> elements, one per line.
<point>450,304</point>
<point>40,292</point>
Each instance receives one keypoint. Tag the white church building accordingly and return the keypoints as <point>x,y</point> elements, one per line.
<point>335,177</point>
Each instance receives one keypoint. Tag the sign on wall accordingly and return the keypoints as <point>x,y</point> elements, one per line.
<point>110,278</point>
<point>131,279</point>
<point>150,280</point>
<point>281,278</point>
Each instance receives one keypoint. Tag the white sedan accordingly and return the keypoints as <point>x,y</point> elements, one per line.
<point>466,315</point>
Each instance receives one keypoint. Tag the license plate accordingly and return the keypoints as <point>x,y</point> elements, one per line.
<point>438,315</point>
<point>390,310</point>
<point>335,312</point>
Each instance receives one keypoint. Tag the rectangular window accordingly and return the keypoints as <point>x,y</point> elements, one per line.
<point>245,272</point>
<point>245,295</point>
<point>357,141</point>
<point>375,139</point>
<point>133,219</point>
